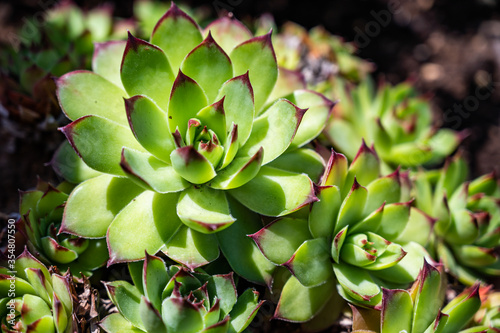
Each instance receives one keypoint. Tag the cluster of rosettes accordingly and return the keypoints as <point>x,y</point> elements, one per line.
<point>189,143</point>
<point>172,299</point>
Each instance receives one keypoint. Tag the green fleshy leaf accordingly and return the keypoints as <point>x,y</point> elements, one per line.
<point>430,293</point>
<point>337,243</point>
<point>356,282</point>
<point>107,61</point>
<point>127,299</point>
<point>214,117</point>
<point>335,171</point>
<point>315,119</point>
<point>311,263</point>
<point>176,34</point>
<point>59,314</point>
<point>273,130</point>
<point>186,100</point>
<point>274,192</point>
<point>191,248</point>
<point>208,65</point>
<point>385,189</point>
<point>83,93</point>
<point>371,222</point>
<point>95,256</point>
<point>25,261</point>
<point>229,32</point>
<point>192,166</point>
<point>475,256</point>
<point>301,161</point>
<point>204,209</point>
<point>418,229</point>
<point>62,290</point>
<point>40,283</point>
<point>327,316</point>
<point>365,167</point>
<point>238,105</point>
<point>279,240</point>
<point>244,310</point>
<point>324,212</point>
<point>145,70</point>
<point>351,210</point>
<point>149,125</point>
<point>57,252</point>
<point>154,215</point>
<point>99,141</point>
<point>43,325</point>
<point>343,137</point>
<point>238,173</point>
<point>70,166</point>
<point>444,142</point>
<point>406,270</point>
<point>155,278</point>
<point>394,220</point>
<point>391,256</point>
<point>181,316</point>
<point>462,309</point>
<point>463,229</point>
<point>257,57</point>
<point>240,251</point>
<point>151,173</point>
<point>107,195</point>
<point>150,317</point>
<point>115,322</point>
<point>39,308</point>
<point>397,308</point>
<point>222,287</point>
<point>299,304</point>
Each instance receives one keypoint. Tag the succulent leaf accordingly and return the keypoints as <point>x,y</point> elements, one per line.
<point>257,56</point>
<point>176,34</point>
<point>204,209</point>
<point>145,70</point>
<point>152,213</point>
<point>102,97</point>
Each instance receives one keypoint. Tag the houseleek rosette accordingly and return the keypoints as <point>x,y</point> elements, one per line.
<point>467,232</point>
<point>172,299</point>
<point>393,118</point>
<point>362,238</point>
<point>42,303</point>
<point>419,309</point>
<point>41,213</point>
<point>198,130</point>
<point>41,49</point>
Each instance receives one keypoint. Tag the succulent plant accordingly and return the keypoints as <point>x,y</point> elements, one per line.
<point>394,119</point>
<point>467,232</point>
<point>34,300</point>
<point>63,41</point>
<point>174,153</point>
<point>172,299</point>
<point>41,215</point>
<point>316,54</point>
<point>419,309</point>
<point>362,238</point>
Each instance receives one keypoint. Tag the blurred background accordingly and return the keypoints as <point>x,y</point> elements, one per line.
<point>450,50</point>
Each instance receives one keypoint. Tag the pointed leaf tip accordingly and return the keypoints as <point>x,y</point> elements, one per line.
<point>364,149</point>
